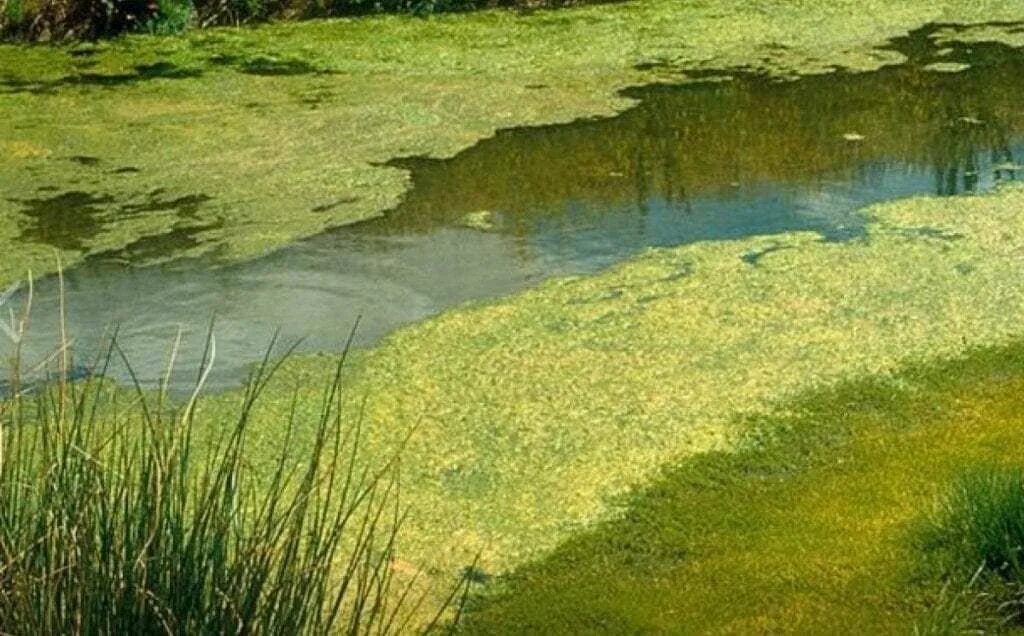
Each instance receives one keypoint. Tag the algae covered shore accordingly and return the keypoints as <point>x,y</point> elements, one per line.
<point>615,444</point>
<point>233,142</point>
<point>578,390</point>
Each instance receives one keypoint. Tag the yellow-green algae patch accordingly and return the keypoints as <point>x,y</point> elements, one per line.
<point>947,67</point>
<point>532,413</point>
<point>813,529</point>
<point>282,129</point>
<point>1009,34</point>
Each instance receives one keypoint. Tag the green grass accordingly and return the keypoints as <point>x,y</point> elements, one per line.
<point>975,541</point>
<point>980,523</point>
<point>234,142</point>
<point>114,520</point>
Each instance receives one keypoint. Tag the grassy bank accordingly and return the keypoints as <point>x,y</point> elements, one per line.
<point>811,528</point>
<point>236,141</point>
<point>579,390</point>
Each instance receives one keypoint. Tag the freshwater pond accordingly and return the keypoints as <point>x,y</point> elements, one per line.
<point>732,155</point>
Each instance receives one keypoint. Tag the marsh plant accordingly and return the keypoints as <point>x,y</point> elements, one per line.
<point>976,541</point>
<point>115,519</point>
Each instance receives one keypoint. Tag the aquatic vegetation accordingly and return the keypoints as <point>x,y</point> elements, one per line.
<point>810,525</point>
<point>744,157</point>
<point>277,122</point>
<point>120,513</point>
<point>947,67</point>
<point>583,388</point>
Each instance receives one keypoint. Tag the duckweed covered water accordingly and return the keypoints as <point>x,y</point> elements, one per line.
<point>732,156</point>
<point>286,127</point>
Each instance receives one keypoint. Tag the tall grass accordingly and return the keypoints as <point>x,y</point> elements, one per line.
<point>114,520</point>
<point>980,523</point>
<point>975,540</point>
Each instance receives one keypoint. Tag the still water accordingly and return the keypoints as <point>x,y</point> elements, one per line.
<point>728,157</point>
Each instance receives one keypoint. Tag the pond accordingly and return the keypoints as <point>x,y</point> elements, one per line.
<point>727,156</point>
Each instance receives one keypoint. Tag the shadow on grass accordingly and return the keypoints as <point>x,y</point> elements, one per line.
<point>666,548</point>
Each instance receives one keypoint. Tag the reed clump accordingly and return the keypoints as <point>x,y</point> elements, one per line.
<point>975,540</point>
<point>113,519</point>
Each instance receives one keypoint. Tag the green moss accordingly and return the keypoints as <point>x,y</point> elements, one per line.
<point>810,529</point>
<point>283,128</point>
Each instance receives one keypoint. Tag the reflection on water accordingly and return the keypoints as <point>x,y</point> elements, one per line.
<point>721,159</point>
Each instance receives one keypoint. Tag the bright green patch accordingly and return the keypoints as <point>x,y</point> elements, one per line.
<point>281,130</point>
<point>947,67</point>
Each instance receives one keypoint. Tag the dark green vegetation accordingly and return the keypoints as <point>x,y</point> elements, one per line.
<point>811,526</point>
<point>79,19</point>
<point>980,523</point>
<point>976,540</point>
<point>122,515</point>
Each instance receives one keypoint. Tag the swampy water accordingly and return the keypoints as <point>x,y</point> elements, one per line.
<point>728,156</point>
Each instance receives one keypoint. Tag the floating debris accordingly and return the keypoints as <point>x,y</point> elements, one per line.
<point>947,67</point>
<point>973,121</point>
<point>482,220</point>
<point>1008,166</point>
<point>852,136</point>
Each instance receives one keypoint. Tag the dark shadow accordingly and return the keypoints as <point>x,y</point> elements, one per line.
<point>152,248</point>
<point>186,205</point>
<point>69,220</point>
<point>269,66</point>
<point>143,72</point>
<point>65,221</point>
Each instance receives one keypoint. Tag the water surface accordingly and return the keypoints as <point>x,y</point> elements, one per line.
<point>730,156</point>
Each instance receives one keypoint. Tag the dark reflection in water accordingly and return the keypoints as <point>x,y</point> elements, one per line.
<point>719,159</point>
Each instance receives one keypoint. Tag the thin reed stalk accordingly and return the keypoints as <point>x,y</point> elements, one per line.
<point>114,520</point>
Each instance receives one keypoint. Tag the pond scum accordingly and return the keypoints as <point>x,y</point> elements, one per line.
<point>533,413</point>
<point>238,141</point>
<point>520,421</point>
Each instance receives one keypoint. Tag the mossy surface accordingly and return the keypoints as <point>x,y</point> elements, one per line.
<point>533,414</point>
<point>280,131</point>
<point>810,527</point>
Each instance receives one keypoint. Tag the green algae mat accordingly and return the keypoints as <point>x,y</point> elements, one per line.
<point>534,416</point>
<point>236,141</point>
<point>814,528</point>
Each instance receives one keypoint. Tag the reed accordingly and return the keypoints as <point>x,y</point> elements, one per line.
<point>114,520</point>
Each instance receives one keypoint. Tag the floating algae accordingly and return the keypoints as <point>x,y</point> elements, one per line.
<point>278,121</point>
<point>529,204</point>
<point>583,387</point>
<point>483,220</point>
<point>947,67</point>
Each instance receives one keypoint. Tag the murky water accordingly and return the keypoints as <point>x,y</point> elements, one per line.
<point>725,158</point>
